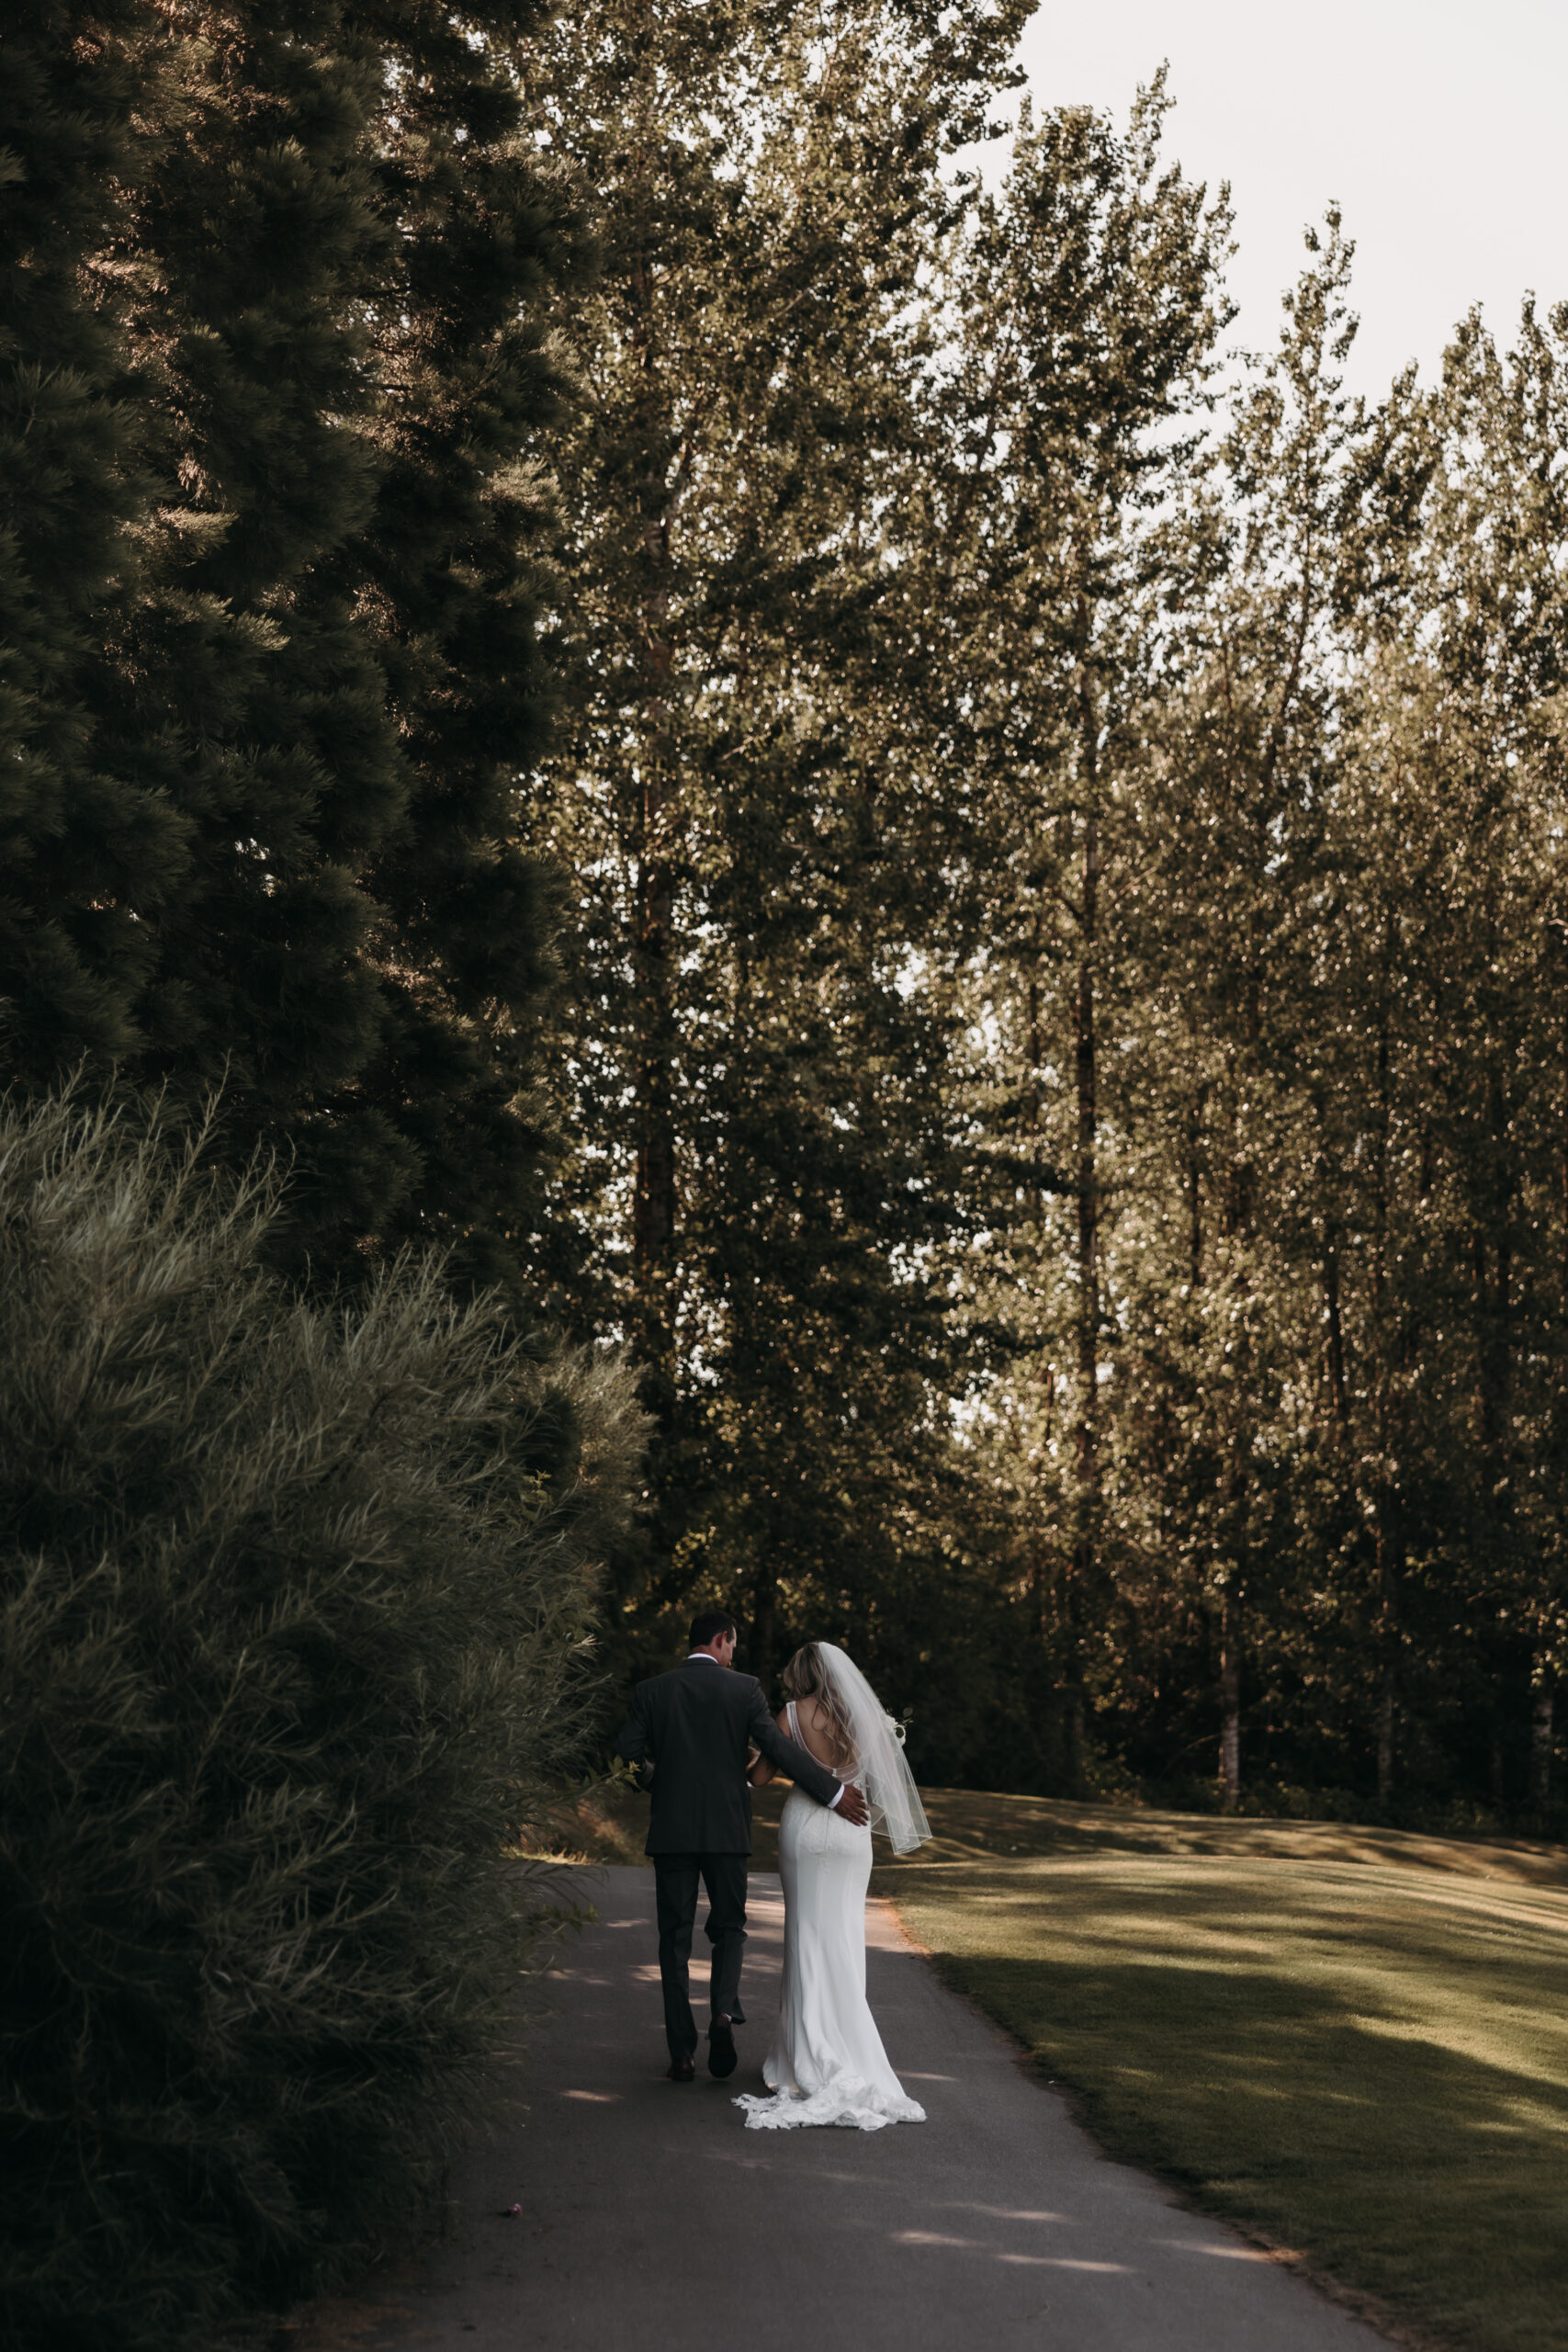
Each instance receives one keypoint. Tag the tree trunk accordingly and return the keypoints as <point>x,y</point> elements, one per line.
<point>1087,1186</point>
<point>763,1632</point>
<point>653,1199</point>
<point>1077,1775</point>
<point>1195,1188</point>
<point>1385,1741</point>
<point>653,952</point>
<point>1035,1143</point>
<point>1230,1705</point>
<point>654,959</point>
<point>1335,1329</point>
<point>1542,1743</point>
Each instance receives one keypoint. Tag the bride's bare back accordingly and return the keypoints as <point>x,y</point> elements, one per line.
<point>814,1728</point>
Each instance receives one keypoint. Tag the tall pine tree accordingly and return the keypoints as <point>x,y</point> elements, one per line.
<point>340,255</point>
<point>82,843</point>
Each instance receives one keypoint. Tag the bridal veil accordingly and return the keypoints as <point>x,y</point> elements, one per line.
<point>878,1767</point>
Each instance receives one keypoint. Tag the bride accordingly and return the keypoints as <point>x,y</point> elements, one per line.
<point>827,2064</point>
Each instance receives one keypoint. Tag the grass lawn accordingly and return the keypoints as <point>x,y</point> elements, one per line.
<point>1353,2042</point>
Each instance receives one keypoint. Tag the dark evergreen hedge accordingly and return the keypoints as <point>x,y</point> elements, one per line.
<point>294,1629</point>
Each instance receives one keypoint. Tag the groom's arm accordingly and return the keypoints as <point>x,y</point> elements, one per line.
<point>802,1769</point>
<point>633,1744</point>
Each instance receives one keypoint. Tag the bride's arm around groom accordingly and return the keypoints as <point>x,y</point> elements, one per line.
<point>687,1738</point>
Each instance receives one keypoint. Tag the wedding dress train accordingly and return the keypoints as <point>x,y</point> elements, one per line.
<point>826,2063</point>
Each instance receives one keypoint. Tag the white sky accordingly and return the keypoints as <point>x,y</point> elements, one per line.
<point>1440,126</point>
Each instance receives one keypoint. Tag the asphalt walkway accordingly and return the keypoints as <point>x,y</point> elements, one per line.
<point>652,2219</point>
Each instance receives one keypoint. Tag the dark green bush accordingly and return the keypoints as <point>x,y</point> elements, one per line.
<point>295,1607</point>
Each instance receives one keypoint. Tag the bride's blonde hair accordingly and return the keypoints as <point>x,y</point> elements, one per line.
<point>805,1677</point>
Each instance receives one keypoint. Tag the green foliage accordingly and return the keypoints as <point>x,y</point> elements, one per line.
<point>1058,1070</point>
<point>1087,304</point>
<point>764,1156</point>
<point>281,406</point>
<point>1066,1087</point>
<point>1364,1058</point>
<point>79,839</point>
<point>295,1604</point>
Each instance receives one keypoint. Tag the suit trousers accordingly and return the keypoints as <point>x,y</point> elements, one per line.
<point>676,1880</point>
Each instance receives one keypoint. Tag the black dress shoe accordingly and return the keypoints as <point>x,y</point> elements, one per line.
<point>682,2070</point>
<point>721,2048</point>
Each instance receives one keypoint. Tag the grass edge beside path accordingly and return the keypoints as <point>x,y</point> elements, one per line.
<point>1396,2326</point>
<point>605,1824</point>
<point>1313,1953</point>
<point>1362,2066</point>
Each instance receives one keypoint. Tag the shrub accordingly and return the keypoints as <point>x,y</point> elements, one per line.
<point>294,1606</point>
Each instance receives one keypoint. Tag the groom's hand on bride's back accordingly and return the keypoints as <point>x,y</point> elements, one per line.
<point>850,1806</point>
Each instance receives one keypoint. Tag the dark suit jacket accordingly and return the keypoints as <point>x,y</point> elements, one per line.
<point>694,1726</point>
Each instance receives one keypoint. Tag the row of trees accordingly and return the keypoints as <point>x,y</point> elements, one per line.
<point>1065,1029</point>
<point>1311,989</point>
<point>729,734</point>
<point>765,739</point>
<point>764,1153</point>
<point>299,1536</point>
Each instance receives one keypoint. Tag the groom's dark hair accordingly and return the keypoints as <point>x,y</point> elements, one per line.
<point>708,1624</point>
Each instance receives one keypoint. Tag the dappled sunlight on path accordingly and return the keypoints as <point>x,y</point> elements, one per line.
<point>648,2212</point>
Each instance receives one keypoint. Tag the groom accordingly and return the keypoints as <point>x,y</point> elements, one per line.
<point>688,1735</point>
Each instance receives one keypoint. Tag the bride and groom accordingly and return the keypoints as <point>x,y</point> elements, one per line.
<point>700,1738</point>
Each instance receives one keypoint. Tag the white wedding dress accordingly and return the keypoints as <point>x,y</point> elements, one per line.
<point>826,2063</point>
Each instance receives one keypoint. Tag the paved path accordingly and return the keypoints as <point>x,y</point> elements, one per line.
<point>651,2218</point>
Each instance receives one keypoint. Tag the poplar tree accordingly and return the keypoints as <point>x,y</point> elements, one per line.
<point>1090,302</point>
<point>758,1083</point>
<point>1245,747</point>
<point>1447,966</point>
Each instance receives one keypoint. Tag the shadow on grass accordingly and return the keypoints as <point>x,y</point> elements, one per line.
<point>975,1825</point>
<point>1335,2118</point>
